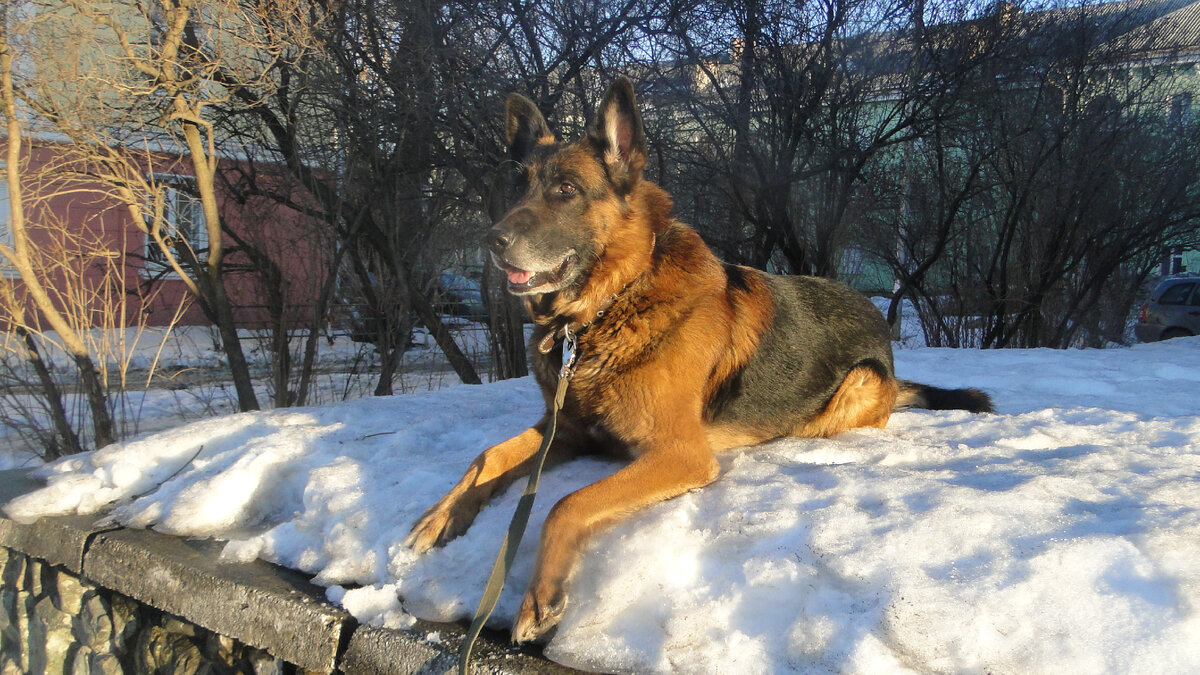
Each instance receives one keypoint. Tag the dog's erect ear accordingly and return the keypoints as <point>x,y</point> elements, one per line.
<point>524,127</point>
<point>617,134</point>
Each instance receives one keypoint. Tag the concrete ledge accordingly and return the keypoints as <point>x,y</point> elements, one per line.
<point>255,604</point>
<point>259,604</point>
<point>58,541</point>
<point>378,651</point>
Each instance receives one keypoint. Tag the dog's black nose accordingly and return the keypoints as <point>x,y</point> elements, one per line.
<point>498,239</point>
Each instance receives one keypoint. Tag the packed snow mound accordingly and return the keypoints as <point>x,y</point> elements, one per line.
<point>1061,534</point>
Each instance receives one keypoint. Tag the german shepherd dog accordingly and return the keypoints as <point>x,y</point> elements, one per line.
<point>680,355</point>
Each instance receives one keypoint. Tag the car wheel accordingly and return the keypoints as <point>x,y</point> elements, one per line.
<point>1174,333</point>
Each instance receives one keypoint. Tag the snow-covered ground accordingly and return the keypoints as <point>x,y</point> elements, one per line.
<point>1061,534</point>
<point>179,374</point>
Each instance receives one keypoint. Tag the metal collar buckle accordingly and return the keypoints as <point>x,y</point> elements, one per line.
<point>570,353</point>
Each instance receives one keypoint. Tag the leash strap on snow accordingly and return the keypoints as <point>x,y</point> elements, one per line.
<point>516,529</point>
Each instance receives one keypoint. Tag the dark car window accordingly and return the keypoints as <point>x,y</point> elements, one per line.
<point>1176,295</point>
<point>1195,295</point>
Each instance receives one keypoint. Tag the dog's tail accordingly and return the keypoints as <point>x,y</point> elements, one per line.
<point>914,395</point>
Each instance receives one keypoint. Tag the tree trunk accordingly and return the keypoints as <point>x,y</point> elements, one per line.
<point>319,314</point>
<point>58,413</point>
<point>93,389</point>
<point>387,362</point>
<point>239,369</point>
<point>282,358</point>
<point>506,327</point>
<point>203,161</point>
<point>458,360</point>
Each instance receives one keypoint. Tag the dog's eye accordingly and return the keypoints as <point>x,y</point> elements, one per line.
<point>567,189</point>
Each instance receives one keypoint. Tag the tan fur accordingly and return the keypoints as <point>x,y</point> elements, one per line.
<point>728,437</point>
<point>491,471</point>
<point>864,399</point>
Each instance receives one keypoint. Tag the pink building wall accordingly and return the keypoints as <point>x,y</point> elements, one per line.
<point>102,233</point>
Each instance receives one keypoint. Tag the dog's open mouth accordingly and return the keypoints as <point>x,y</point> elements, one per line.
<point>524,281</point>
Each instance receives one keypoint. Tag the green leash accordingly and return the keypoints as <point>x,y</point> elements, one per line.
<point>516,529</point>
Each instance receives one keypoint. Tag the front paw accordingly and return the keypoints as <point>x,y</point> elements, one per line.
<point>540,612</point>
<point>443,522</point>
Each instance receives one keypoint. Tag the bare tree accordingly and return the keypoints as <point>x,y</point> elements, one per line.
<point>1033,218</point>
<point>792,103</point>
<point>36,285</point>
<point>69,295</point>
<point>148,98</point>
<point>416,164</point>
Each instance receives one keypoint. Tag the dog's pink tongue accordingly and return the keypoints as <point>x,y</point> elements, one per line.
<point>516,276</point>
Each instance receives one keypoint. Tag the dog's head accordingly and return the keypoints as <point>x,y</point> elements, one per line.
<point>578,214</point>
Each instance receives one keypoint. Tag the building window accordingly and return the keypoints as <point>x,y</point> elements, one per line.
<point>183,228</point>
<point>6,235</point>
<point>1172,262</point>
<point>1181,109</point>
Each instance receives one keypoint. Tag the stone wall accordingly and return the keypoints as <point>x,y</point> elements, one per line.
<point>80,597</point>
<point>51,621</point>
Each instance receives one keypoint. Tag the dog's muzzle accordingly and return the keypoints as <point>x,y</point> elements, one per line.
<point>526,272</point>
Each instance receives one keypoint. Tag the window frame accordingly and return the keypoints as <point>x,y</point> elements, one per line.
<point>176,187</point>
<point>6,234</point>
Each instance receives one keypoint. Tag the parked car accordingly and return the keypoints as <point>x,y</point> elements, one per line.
<point>461,296</point>
<point>1172,311</point>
